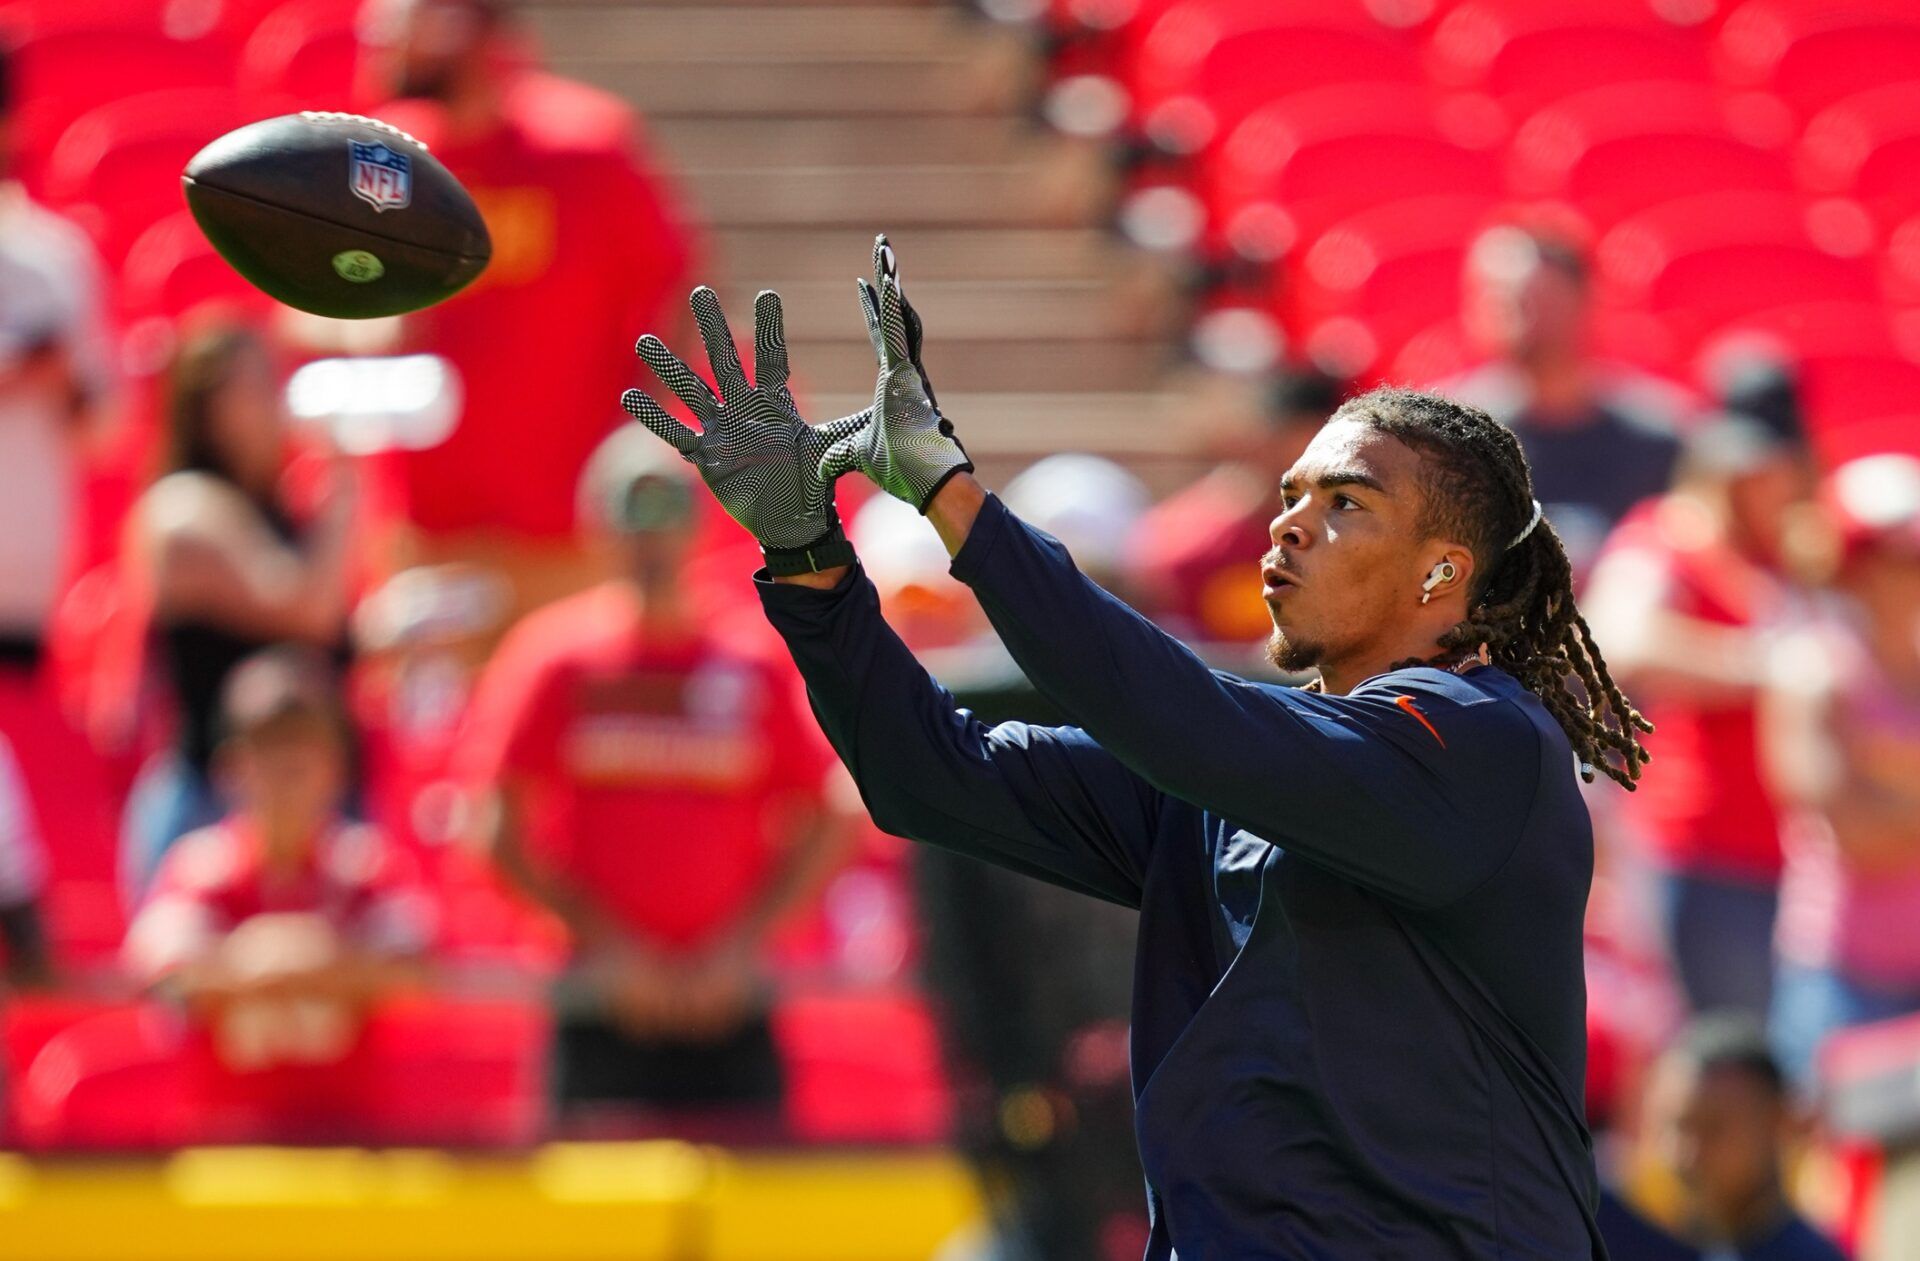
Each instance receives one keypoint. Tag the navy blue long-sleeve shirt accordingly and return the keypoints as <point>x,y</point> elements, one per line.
<point>1359,1007</point>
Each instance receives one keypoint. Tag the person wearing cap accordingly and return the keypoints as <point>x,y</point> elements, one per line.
<point>1683,595</point>
<point>283,924</point>
<point>1841,728</point>
<point>656,784</point>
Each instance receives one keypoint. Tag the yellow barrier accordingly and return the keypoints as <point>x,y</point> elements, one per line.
<point>657,1201</point>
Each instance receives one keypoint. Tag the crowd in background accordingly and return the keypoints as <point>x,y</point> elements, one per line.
<point>373,726</point>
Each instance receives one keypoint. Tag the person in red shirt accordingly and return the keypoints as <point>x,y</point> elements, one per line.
<point>658,786</point>
<point>1190,550</point>
<point>283,924</point>
<point>587,236</point>
<point>1684,595</point>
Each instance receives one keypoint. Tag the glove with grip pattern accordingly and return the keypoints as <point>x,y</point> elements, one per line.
<point>770,470</point>
<point>908,448</point>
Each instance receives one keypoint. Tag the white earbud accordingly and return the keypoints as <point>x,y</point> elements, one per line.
<point>1443,572</point>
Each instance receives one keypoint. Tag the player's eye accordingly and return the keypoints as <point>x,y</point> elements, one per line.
<point>1344,502</point>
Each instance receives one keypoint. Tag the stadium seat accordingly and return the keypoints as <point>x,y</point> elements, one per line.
<point>1309,159</point>
<point>171,270</point>
<point>428,1070</point>
<point>307,51</point>
<point>1811,55</point>
<point>1526,54</point>
<point>862,1067</point>
<point>461,1071</point>
<point>1378,277</point>
<point>1701,262</point>
<point>1198,76</point>
<point>1867,147</point>
<point>1612,151</point>
<point>121,161</point>
<point>111,1080</point>
<point>238,19</point>
<point>67,71</point>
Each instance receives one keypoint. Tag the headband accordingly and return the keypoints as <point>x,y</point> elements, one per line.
<point>1532,521</point>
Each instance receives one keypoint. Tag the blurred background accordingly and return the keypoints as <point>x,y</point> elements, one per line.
<point>413,843</point>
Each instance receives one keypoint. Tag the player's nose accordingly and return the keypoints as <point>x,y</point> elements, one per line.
<point>1286,531</point>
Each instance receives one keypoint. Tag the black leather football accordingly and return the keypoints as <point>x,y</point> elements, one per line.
<point>338,215</point>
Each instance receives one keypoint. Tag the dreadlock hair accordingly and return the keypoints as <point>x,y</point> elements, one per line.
<point>1520,605</point>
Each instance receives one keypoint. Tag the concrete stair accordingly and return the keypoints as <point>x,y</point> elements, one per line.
<point>799,128</point>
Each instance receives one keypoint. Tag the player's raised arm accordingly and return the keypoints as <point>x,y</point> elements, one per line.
<point>1046,802</point>
<point>1409,784</point>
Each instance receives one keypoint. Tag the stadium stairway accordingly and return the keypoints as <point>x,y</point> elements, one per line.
<point>800,127</point>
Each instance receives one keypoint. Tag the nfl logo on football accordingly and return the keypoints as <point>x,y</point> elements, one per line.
<point>380,177</point>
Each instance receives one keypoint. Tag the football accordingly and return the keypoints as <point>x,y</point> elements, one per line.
<point>337,214</point>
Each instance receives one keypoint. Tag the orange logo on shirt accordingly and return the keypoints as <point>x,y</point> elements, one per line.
<point>524,225</point>
<point>1406,703</point>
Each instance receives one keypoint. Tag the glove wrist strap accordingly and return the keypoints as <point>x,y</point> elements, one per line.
<point>829,551</point>
<point>926,500</point>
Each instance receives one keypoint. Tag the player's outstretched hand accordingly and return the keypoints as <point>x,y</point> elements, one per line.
<point>767,467</point>
<point>909,449</point>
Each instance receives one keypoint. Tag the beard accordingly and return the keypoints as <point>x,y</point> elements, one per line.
<point>1292,656</point>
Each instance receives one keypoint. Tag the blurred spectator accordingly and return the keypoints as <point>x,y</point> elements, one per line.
<point>1722,1116</point>
<point>1193,551</point>
<point>660,790</point>
<point>1599,437</point>
<point>926,606</point>
<point>1842,735</point>
<point>1756,378</point>
<point>1041,1054</point>
<point>1683,597</point>
<point>1090,504</point>
<point>229,568</point>
<point>281,924</point>
<point>1631,1237</point>
<point>23,876</point>
<point>589,251</point>
<point>55,374</point>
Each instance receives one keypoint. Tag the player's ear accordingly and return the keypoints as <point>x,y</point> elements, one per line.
<point>1449,568</point>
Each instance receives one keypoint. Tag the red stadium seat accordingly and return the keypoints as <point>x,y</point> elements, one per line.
<point>1613,151</point>
<point>305,50</point>
<point>124,159</point>
<point>461,1071</point>
<point>113,1080</point>
<point>428,1070</point>
<point>171,270</point>
<point>1198,75</point>
<point>1526,54</point>
<point>1867,147</point>
<point>65,72</point>
<point>1703,262</point>
<point>1811,55</point>
<point>863,1067</point>
<point>1310,159</point>
<point>238,19</point>
<point>1377,278</point>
